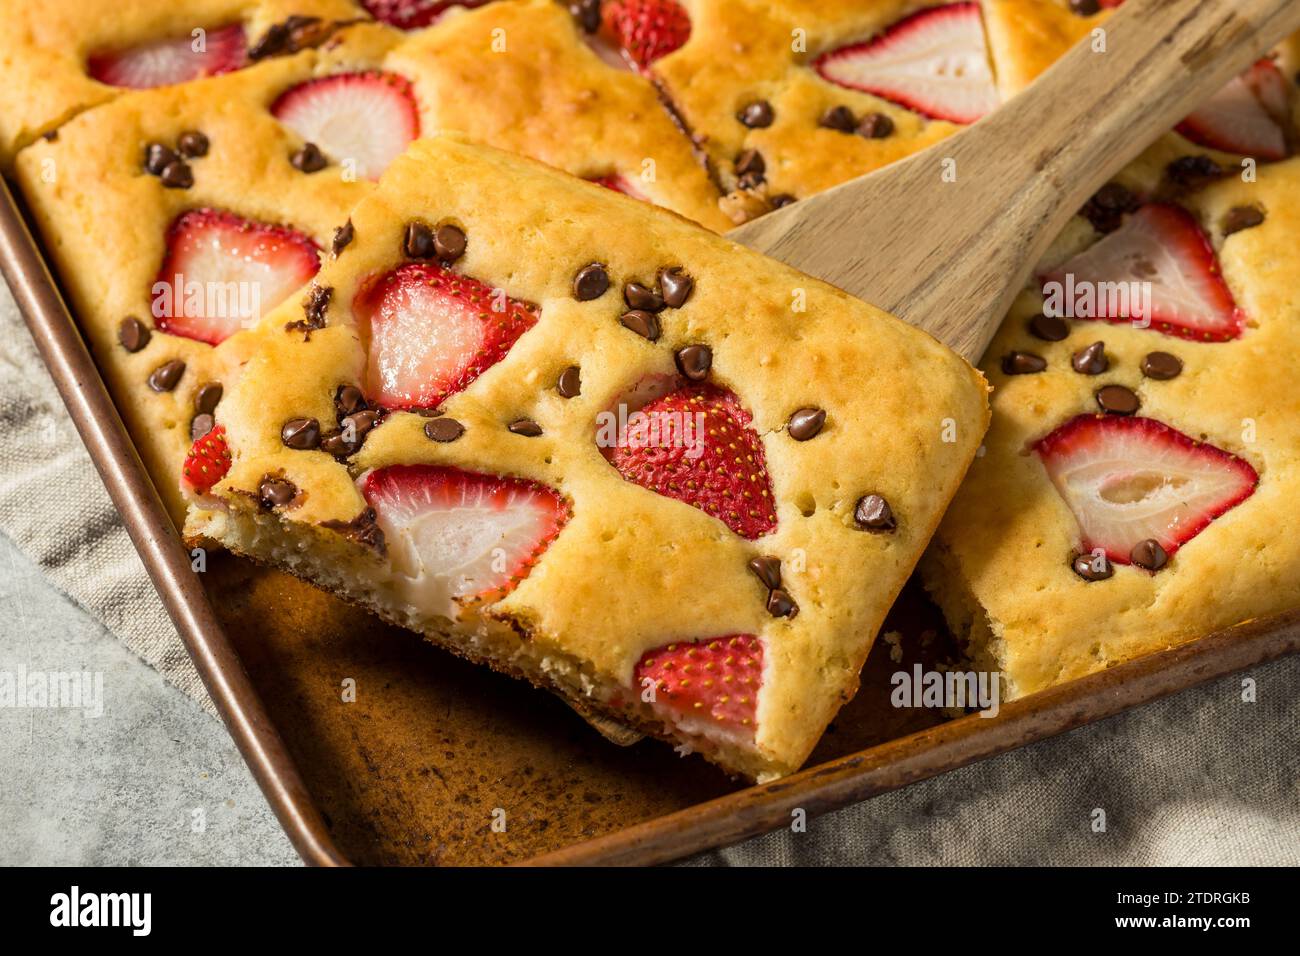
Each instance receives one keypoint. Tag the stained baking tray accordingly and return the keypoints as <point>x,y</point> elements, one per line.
<point>432,751</point>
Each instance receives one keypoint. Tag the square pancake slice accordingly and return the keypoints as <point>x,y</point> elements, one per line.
<point>585,442</point>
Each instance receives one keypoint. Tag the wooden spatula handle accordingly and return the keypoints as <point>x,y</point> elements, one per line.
<point>967,218</point>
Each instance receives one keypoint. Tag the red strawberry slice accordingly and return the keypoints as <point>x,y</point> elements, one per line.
<point>1128,480</point>
<point>933,62</point>
<point>432,332</point>
<point>459,535</point>
<point>1160,244</point>
<point>173,60</point>
<point>207,462</point>
<point>413,14</point>
<point>708,686</point>
<point>644,30</point>
<point>695,444</point>
<point>1247,117</point>
<point>620,184</point>
<point>367,118</point>
<point>222,273</point>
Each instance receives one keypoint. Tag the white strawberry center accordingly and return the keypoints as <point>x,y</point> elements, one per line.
<point>419,342</point>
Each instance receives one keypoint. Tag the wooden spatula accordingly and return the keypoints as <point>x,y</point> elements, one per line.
<point>949,256</point>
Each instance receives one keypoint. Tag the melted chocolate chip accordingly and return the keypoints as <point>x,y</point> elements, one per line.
<point>525,427</point>
<point>157,157</point>
<point>418,242</point>
<point>1117,400</point>
<point>1193,171</point>
<point>208,397</point>
<point>360,423</point>
<point>166,376</point>
<point>1161,366</point>
<point>587,13</point>
<point>638,296</point>
<point>301,433</point>
<point>570,383</point>
<point>133,334</point>
<point>694,361</point>
<point>1092,567</point>
<point>767,569</point>
<point>590,282</point>
<point>308,159</point>
<point>177,175</point>
<point>751,168</point>
<point>781,604</point>
<point>276,492</point>
<point>756,115</point>
<point>644,324</point>
<point>1149,555</point>
<point>314,307</point>
<point>1106,209</point>
<point>1049,328</point>
<point>1023,363</point>
<point>806,423</point>
<point>200,425</point>
<point>348,399</point>
<point>1242,217</point>
<point>840,118</point>
<point>875,126</point>
<point>781,199</point>
<point>443,430</point>
<point>1085,8</point>
<point>363,529</point>
<point>343,235</point>
<point>872,513</point>
<point>273,42</point>
<point>676,286</point>
<point>449,243</point>
<point>1091,360</point>
<point>306,32</point>
<point>192,144</point>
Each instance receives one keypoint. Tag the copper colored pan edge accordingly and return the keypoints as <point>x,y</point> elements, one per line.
<point>160,548</point>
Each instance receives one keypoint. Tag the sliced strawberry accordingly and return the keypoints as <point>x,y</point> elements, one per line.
<point>1246,117</point>
<point>462,535</point>
<point>173,60</point>
<point>933,62</point>
<point>1128,480</point>
<point>706,686</point>
<point>432,332</point>
<point>1160,244</point>
<point>207,462</point>
<point>222,273</point>
<point>368,118</point>
<point>695,444</point>
<point>413,14</point>
<point>620,184</point>
<point>644,30</point>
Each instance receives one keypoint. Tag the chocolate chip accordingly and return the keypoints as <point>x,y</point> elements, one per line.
<point>301,433</point>
<point>524,426</point>
<point>1117,400</point>
<point>1193,171</point>
<point>1023,363</point>
<point>644,324</point>
<point>192,144</point>
<point>306,32</point>
<point>840,118</point>
<point>334,444</point>
<point>208,397</point>
<point>781,199</point>
<point>587,13</point>
<point>1049,328</point>
<point>780,604</point>
<point>418,243</point>
<point>1148,555</point>
<point>360,423</point>
<point>806,423</point>
<point>694,361</point>
<point>1091,360</point>
<point>677,287</point>
<point>1106,209</point>
<point>308,159</point>
<point>756,115</point>
<point>590,282</point>
<point>133,334</point>
<point>875,126</point>
<point>767,569</point>
<point>443,430</point>
<point>363,529</point>
<point>570,383</point>
<point>1092,567</point>
<point>872,513</point>
<point>273,41</point>
<point>177,175</point>
<point>750,181</point>
<point>638,296</point>
<point>1085,8</point>
<point>342,237</point>
<point>314,307</point>
<point>166,376</point>
<point>348,399</point>
<point>276,492</point>
<point>1161,366</point>
<point>751,168</point>
<point>1242,217</point>
<point>200,425</point>
<point>449,243</point>
<point>157,157</point>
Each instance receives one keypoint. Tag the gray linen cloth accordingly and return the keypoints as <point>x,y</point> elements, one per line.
<point>1200,778</point>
